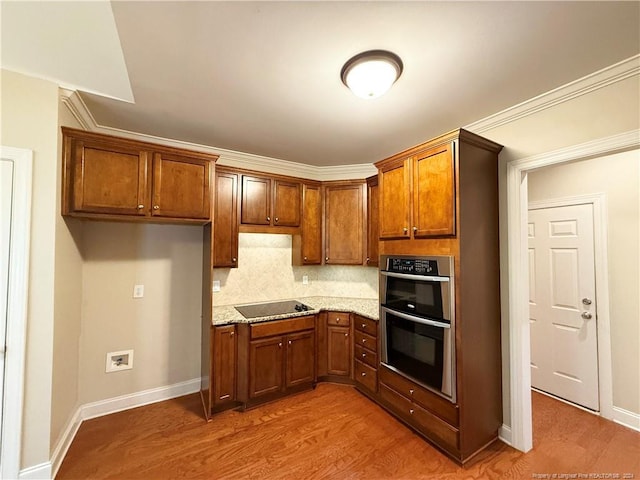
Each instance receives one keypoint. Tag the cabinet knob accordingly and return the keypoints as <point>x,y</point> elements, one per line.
<point>289,342</point>
<point>231,334</point>
<point>156,207</point>
<point>364,340</point>
<point>368,259</point>
<point>415,229</point>
<point>363,374</point>
<point>346,334</point>
<point>234,259</point>
<point>337,319</point>
<point>364,325</point>
<point>305,259</point>
<point>280,344</point>
<point>276,219</point>
<point>364,355</point>
<point>411,411</point>
<point>411,391</point>
<point>405,230</point>
<point>268,219</point>
<point>326,259</point>
<point>140,206</point>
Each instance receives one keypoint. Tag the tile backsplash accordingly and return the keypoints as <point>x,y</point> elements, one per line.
<point>265,273</point>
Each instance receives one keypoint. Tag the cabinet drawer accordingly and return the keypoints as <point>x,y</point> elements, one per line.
<point>366,375</point>
<point>340,319</point>
<point>278,327</point>
<point>443,434</point>
<point>366,325</point>
<point>440,406</point>
<point>365,340</point>
<point>366,356</point>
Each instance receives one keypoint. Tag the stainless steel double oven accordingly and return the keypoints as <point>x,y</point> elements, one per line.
<point>417,318</point>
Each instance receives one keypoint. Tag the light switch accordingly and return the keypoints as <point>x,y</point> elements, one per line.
<point>138,291</point>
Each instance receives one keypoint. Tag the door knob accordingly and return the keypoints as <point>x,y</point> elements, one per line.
<point>586,301</point>
<point>586,315</point>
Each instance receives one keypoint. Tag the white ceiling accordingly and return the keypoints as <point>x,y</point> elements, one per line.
<point>264,77</point>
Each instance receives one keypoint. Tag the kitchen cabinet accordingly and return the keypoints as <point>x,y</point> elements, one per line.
<point>366,354</point>
<point>417,194</point>
<point>225,217</point>
<point>441,198</point>
<point>307,246</point>
<point>275,358</point>
<point>339,344</point>
<point>114,178</point>
<point>345,229</point>
<point>373,215</point>
<point>224,364</point>
<point>270,201</point>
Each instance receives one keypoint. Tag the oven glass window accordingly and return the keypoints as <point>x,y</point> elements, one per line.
<point>415,349</point>
<point>415,297</point>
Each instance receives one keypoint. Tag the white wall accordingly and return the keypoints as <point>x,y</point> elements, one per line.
<point>265,273</point>
<point>617,177</point>
<point>163,327</point>
<point>29,113</point>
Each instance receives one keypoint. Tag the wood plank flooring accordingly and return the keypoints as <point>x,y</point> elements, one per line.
<point>332,432</point>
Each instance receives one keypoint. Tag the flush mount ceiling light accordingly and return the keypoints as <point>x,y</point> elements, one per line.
<point>370,74</point>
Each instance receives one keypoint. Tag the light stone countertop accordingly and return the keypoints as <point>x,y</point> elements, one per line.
<point>367,307</point>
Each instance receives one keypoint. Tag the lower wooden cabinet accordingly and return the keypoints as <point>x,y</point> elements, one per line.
<point>225,354</point>
<point>338,350</point>
<point>275,358</point>
<point>365,354</point>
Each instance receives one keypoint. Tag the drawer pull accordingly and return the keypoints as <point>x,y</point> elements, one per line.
<point>411,391</point>
<point>411,411</point>
<point>364,325</point>
<point>364,355</point>
<point>337,319</point>
<point>289,342</point>
<point>364,340</point>
<point>363,374</point>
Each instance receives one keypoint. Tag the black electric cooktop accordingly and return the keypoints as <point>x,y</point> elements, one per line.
<point>268,309</point>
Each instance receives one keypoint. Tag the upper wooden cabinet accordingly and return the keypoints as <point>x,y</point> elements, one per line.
<point>270,201</point>
<point>418,187</point>
<point>373,216</point>
<point>307,247</point>
<point>345,229</point>
<point>117,178</point>
<point>225,219</point>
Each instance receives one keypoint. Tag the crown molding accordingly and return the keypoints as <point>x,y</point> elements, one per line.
<point>594,81</point>
<point>72,100</point>
<point>602,78</point>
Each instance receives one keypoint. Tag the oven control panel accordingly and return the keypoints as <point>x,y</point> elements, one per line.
<point>413,266</point>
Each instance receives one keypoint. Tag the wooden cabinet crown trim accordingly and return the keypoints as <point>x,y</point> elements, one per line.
<point>135,144</point>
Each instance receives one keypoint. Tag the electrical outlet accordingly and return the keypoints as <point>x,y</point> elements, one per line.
<point>116,361</point>
<point>305,279</point>
<point>138,291</point>
<point>216,285</point>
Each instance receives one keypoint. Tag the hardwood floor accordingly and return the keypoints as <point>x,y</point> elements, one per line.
<point>332,432</point>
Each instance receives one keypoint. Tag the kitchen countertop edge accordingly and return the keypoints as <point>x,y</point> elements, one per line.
<point>366,307</point>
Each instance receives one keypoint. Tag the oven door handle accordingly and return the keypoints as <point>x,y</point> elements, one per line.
<point>413,318</point>
<point>424,278</point>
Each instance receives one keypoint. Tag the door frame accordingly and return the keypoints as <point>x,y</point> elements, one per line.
<point>598,201</point>
<point>516,307</point>
<point>18,290</point>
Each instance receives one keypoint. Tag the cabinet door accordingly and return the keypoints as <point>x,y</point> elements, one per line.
<point>224,364</point>
<point>286,203</point>
<point>108,178</point>
<point>434,192</point>
<point>300,358</point>
<point>256,201</point>
<point>344,224</point>
<point>266,359</point>
<point>395,197</point>
<point>225,216</point>
<point>181,187</point>
<point>311,225</point>
<point>338,350</point>
<point>373,215</point>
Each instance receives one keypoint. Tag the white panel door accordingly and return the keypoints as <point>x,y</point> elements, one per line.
<point>562,305</point>
<point>6,193</point>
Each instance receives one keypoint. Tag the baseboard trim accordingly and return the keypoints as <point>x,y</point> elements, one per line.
<point>626,418</point>
<point>37,472</point>
<point>99,409</point>
<point>504,434</point>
